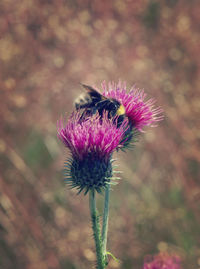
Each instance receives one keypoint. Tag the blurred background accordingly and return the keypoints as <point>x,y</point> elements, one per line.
<point>46,49</point>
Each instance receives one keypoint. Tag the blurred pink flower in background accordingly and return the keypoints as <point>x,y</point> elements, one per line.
<point>162,261</point>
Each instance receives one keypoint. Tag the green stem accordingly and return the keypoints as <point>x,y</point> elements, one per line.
<point>105,219</point>
<point>96,231</point>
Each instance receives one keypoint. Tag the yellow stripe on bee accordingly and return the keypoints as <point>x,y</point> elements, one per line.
<point>121,110</point>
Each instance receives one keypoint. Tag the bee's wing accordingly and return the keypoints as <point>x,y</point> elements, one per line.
<point>88,99</point>
<point>93,93</point>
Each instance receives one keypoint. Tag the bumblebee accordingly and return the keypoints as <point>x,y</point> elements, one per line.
<point>92,102</point>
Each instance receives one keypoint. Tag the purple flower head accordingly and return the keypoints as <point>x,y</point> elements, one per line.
<point>141,113</point>
<point>91,142</point>
<point>163,261</point>
<point>95,136</point>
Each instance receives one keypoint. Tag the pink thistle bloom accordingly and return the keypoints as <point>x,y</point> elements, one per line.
<point>163,261</point>
<point>91,142</point>
<point>95,135</point>
<point>141,113</point>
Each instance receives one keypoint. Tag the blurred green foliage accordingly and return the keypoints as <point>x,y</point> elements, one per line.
<point>36,152</point>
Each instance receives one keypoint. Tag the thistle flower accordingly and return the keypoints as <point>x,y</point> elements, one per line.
<point>99,127</point>
<point>140,113</point>
<point>162,261</point>
<point>91,143</point>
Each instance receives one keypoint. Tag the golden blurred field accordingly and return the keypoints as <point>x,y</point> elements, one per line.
<point>46,49</point>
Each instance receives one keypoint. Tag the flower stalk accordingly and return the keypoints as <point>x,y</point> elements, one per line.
<point>96,230</point>
<point>105,220</point>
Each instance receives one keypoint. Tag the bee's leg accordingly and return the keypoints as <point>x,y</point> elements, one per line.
<point>119,120</point>
<point>93,110</point>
